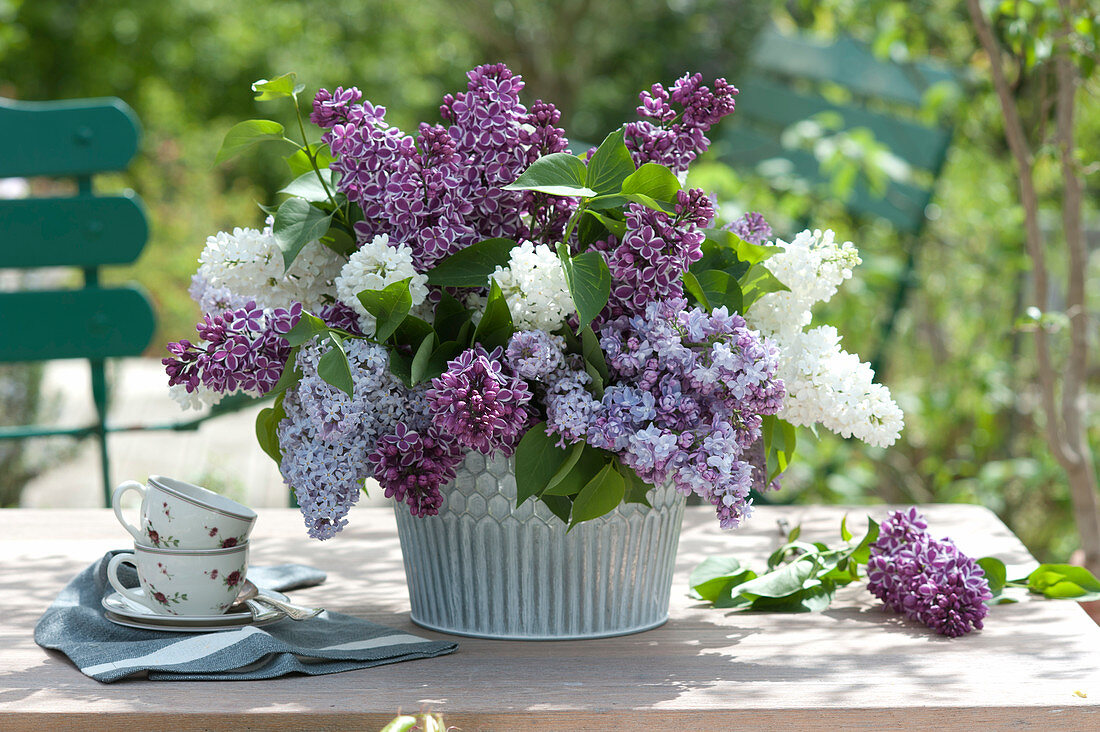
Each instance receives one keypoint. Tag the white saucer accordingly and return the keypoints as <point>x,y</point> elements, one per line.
<point>124,612</point>
<point>169,627</point>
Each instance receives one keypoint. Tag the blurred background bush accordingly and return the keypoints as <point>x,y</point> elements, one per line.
<point>958,363</point>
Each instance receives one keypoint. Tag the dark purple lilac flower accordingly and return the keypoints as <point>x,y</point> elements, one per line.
<point>675,138</point>
<point>412,467</point>
<point>752,228</point>
<point>241,350</point>
<point>331,107</point>
<point>476,402</point>
<point>926,580</point>
<point>649,263</point>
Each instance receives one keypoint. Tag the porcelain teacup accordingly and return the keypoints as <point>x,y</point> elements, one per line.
<point>178,515</point>
<point>183,581</point>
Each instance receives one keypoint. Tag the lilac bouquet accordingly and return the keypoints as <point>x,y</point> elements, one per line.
<point>477,286</point>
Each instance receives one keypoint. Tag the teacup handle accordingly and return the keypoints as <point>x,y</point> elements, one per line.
<point>112,577</point>
<point>116,503</point>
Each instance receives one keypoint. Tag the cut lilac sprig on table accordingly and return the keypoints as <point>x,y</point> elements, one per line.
<point>928,580</point>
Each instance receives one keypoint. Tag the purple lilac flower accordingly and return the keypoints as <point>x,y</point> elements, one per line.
<point>535,354</point>
<point>327,435</point>
<point>674,138</point>
<point>477,403</point>
<point>242,350</point>
<point>412,466</point>
<point>649,263</point>
<point>443,190</point>
<point>752,228</point>
<point>927,580</point>
<point>691,390</point>
<point>339,315</point>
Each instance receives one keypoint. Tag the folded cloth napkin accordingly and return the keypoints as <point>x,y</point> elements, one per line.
<point>75,625</point>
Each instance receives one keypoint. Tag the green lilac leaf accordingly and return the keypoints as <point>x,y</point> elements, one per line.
<point>613,226</point>
<point>652,180</point>
<point>787,579</point>
<point>721,258</point>
<point>291,374</point>
<point>278,88</point>
<point>589,282</point>
<point>308,326</point>
<point>267,424</point>
<point>412,332</point>
<point>560,506</point>
<point>600,496</point>
<point>558,174</point>
<point>538,460</point>
<point>637,490</point>
<point>720,289</point>
<point>591,351</point>
<point>472,266</point>
<point>995,573</point>
<point>757,282</point>
<point>1064,581</point>
<point>845,534</point>
<point>691,285</point>
<point>713,574</point>
<point>421,359</point>
<point>334,369</point>
<point>389,306</point>
<point>244,135</point>
<point>746,252</point>
<point>609,165</point>
<point>307,186</point>
<point>298,161</point>
<point>496,327</point>
<point>297,223</point>
<point>587,465</point>
<point>575,451</point>
<point>450,316</point>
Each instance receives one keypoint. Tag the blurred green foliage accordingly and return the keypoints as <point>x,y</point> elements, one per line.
<point>960,367</point>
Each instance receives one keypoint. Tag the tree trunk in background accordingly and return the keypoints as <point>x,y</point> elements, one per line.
<point>1066,427</point>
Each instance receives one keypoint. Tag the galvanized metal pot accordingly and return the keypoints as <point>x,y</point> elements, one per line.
<point>485,568</point>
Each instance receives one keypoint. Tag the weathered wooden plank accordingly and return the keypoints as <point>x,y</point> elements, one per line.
<point>848,63</point>
<point>83,231</point>
<point>91,323</point>
<point>851,667</point>
<point>69,137</point>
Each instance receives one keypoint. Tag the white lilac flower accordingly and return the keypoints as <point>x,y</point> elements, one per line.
<point>247,264</point>
<point>534,287</point>
<point>201,396</point>
<point>825,384</point>
<point>377,264</point>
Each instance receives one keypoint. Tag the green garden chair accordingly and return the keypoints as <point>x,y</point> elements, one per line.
<point>75,140</point>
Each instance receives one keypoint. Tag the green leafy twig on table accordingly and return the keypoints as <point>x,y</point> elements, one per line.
<point>803,576</point>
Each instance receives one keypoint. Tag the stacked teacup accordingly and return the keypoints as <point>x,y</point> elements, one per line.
<point>191,550</point>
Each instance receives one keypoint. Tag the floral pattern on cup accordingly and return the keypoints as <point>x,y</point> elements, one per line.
<point>159,540</point>
<point>226,542</point>
<point>234,578</point>
<point>164,599</point>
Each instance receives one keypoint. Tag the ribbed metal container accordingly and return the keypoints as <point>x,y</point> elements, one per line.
<point>485,568</point>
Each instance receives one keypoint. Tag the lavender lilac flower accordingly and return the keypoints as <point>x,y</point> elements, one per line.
<point>327,436</point>
<point>752,228</point>
<point>688,396</point>
<point>927,580</point>
<point>535,354</point>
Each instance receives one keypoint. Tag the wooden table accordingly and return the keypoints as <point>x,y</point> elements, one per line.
<point>1037,663</point>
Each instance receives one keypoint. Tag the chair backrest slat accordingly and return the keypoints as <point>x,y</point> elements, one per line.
<point>91,323</point>
<point>84,231</point>
<point>847,63</point>
<point>766,103</point>
<point>72,137</point>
